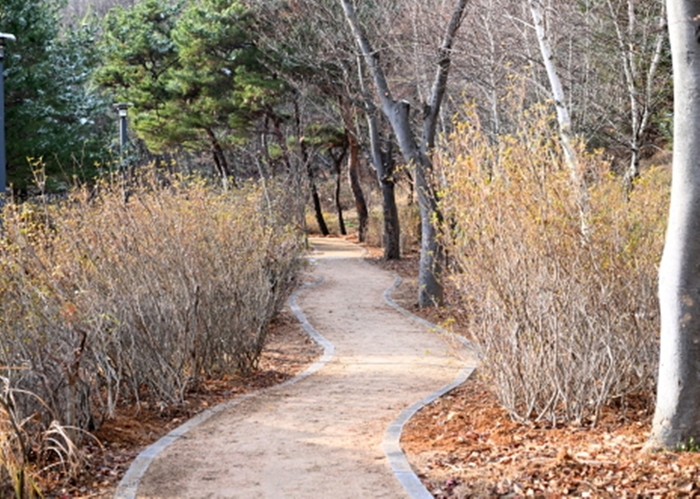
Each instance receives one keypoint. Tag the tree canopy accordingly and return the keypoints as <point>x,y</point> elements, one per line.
<point>52,112</point>
<point>193,72</point>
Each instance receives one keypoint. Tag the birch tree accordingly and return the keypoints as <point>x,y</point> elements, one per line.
<point>677,416</point>
<point>566,135</point>
<point>639,72</point>
<point>557,89</point>
<point>416,153</point>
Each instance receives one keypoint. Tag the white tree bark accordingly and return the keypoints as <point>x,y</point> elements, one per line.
<point>639,88</point>
<point>557,89</point>
<point>677,416</point>
<point>563,117</point>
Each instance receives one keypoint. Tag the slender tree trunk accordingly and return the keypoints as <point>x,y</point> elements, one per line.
<point>677,416</point>
<point>219,159</point>
<point>384,165</point>
<point>318,211</point>
<point>305,162</point>
<point>315,198</point>
<point>347,113</point>
<point>557,89</point>
<point>337,164</point>
<point>430,290</point>
<point>640,100</point>
<point>356,186</point>
<point>563,118</point>
<point>385,168</point>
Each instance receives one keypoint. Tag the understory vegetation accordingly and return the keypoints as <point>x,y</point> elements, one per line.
<point>137,288</point>
<point>106,300</point>
<point>566,320</point>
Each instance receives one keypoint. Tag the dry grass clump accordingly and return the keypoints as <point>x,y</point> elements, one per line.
<point>105,299</point>
<point>15,478</point>
<point>566,321</point>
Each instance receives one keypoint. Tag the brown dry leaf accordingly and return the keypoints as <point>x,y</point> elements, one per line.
<point>510,460</point>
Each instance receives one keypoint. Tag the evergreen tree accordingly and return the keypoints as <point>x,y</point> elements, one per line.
<point>51,112</point>
<point>192,71</point>
<point>138,56</point>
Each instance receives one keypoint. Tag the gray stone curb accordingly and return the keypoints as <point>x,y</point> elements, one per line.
<point>128,486</point>
<point>392,437</point>
<point>391,444</point>
<point>388,298</point>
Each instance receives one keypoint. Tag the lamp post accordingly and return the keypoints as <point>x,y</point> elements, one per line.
<point>121,108</point>
<point>3,160</point>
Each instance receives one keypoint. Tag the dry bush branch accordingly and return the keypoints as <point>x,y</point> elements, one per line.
<point>105,300</point>
<point>566,323</point>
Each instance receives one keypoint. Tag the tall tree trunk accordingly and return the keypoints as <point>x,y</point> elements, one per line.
<point>430,290</point>
<point>384,165</point>
<point>677,416</point>
<point>390,211</point>
<point>337,164</point>
<point>315,198</point>
<point>318,211</point>
<point>347,112</point>
<point>356,186</point>
<point>385,168</point>
<point>219,159</point>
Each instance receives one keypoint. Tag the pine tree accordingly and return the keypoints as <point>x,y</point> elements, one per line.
<point>193,72</point>
<point>52,113</point>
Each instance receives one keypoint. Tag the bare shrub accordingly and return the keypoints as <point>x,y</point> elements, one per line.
<point>104,299</point>
<point>76,9</point>
<point>566,322</point>
<point>16,473</point>
<point>28,449</point>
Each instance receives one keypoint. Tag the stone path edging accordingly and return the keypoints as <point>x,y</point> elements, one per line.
<point>391,444</point>
<point>128,485</point>
<point>392,438</point>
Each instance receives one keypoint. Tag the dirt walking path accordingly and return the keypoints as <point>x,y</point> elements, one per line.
<point>321,437</point>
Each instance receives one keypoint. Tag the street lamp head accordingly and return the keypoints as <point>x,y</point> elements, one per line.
<point>3,40</point>
<point>121,107</point>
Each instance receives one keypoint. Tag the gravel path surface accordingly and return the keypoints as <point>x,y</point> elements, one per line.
<point>322,436</point>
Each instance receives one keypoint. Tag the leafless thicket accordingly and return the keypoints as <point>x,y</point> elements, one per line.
<point>567,323</point>
<point>107,300</point>
<point>78,8</point>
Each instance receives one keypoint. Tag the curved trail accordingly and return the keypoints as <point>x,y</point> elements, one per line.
<point>321,437</point>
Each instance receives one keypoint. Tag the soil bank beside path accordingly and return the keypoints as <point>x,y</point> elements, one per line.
<point>321,437</point>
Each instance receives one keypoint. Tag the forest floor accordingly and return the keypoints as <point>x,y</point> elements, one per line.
<point>465,445</point>
<point>462,445</point>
